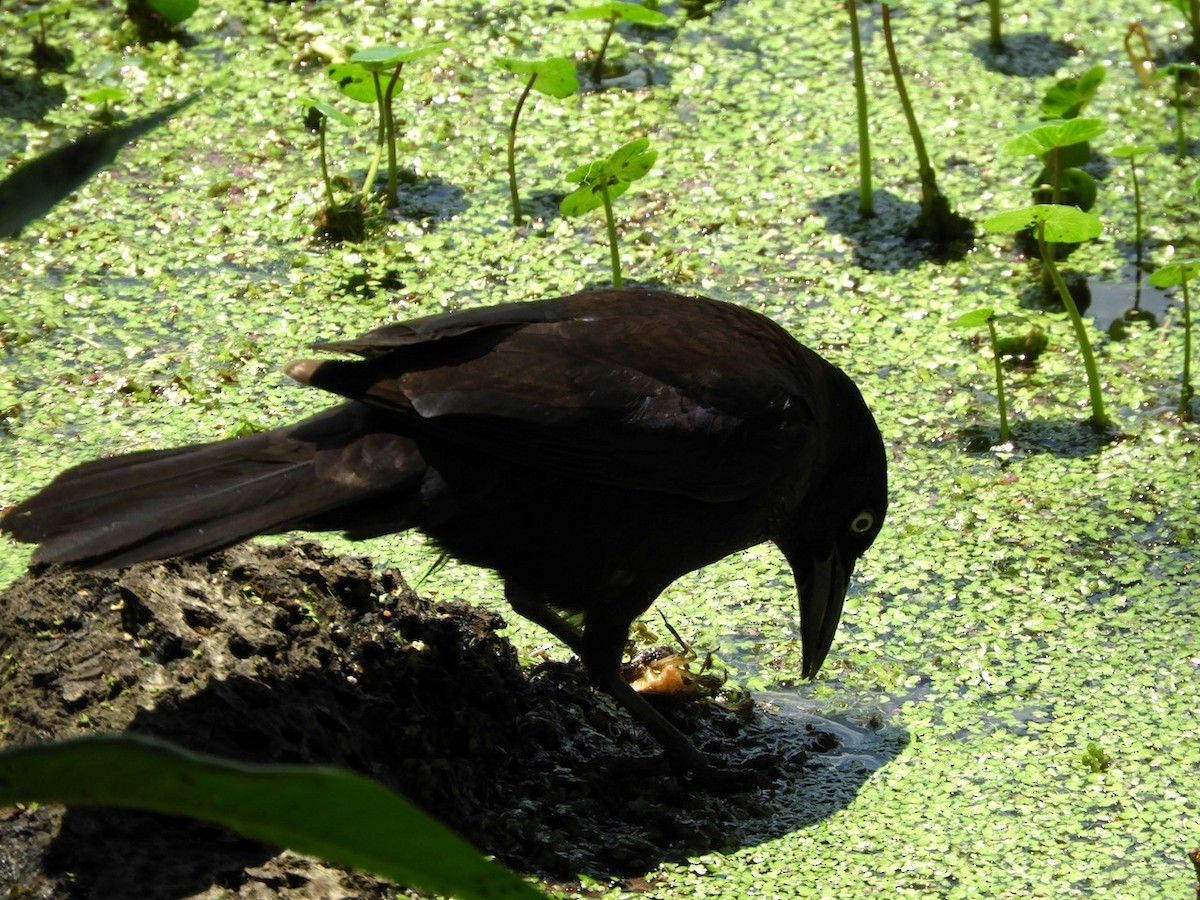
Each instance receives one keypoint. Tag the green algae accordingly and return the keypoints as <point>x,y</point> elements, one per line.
<point>1020,605</point>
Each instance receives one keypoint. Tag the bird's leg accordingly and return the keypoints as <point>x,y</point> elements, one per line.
<point>603,642</point>
<point>600,646</point>
<point>537,609</point>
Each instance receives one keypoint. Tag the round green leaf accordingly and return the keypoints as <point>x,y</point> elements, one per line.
<point>1063,224</point>
<point>175,11</point>
<point>582,199</point>
<point>1052,135</point>
<point>630,12</point>
<point>590,173</point>
<point>388,56</point>
<point>376,59</point>
<point>353,80</point>
<point>1128,151</point>
<point>637,166</point>
<point>555,76</point>
<point>632,160</point>
<point>1175,273</point>
<point>589,196</point>
<point>974,319</point>
<point>1079,189</point>
<point>1069,96</point>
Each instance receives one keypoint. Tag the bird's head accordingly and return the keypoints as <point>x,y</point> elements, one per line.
<point>833,526</point>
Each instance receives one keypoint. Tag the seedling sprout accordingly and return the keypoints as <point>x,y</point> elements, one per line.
<point>989,318</point>
<point>1053,223</point>
<point>1178,72</point>
<point>360,79</point>
<point>554,77</point>
<point>335,221</point>
<point>866,202</point>
<point>1179,273</point>
<point>936,221</point>
<point>1131,152</point>
<point>614,11</point>
<point>603,181</point>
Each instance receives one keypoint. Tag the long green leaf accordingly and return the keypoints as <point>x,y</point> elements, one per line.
<point>334,814</point>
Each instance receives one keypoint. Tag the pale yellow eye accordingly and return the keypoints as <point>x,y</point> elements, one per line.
<point>863,522</point>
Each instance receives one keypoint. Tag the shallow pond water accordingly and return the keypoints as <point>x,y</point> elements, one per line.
<point>1022,603</point>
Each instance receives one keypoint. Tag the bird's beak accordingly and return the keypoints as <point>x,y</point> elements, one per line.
<point>822,584</point>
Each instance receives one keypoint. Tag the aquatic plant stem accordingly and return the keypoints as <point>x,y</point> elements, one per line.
<point>1137,211</point>
<point>1180,137</point>
<point>866,202</point>
<point>325,165</point>
<point>380,137</point>
<point>914,129</point>
<point>936,221</point>
<point>1000,399</point>
<point>598,65</point>
<point>996,39</point>
<point>613,253</point>
<point>512,151</point>
<point>1186,391</point>
<point>386,108</point>
<point>1099,420</point>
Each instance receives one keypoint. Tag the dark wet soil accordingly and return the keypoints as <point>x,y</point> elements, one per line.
<point>288,654</point>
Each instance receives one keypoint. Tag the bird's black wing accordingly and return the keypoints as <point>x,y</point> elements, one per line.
<point>636,390</point>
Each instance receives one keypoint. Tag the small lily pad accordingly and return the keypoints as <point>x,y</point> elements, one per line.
<point>1062,224</point>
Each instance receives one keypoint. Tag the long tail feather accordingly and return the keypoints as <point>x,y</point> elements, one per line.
<point>193,500</point>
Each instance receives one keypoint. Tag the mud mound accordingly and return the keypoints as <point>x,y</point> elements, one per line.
<point>288,654</point>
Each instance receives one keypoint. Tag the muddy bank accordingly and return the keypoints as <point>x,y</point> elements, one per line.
<point>289,654</point>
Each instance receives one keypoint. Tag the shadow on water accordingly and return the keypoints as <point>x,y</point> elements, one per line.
<point>1068,438</point>
<point>881,242</point>
<point>24,99</point>
<point>1025,55</point>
